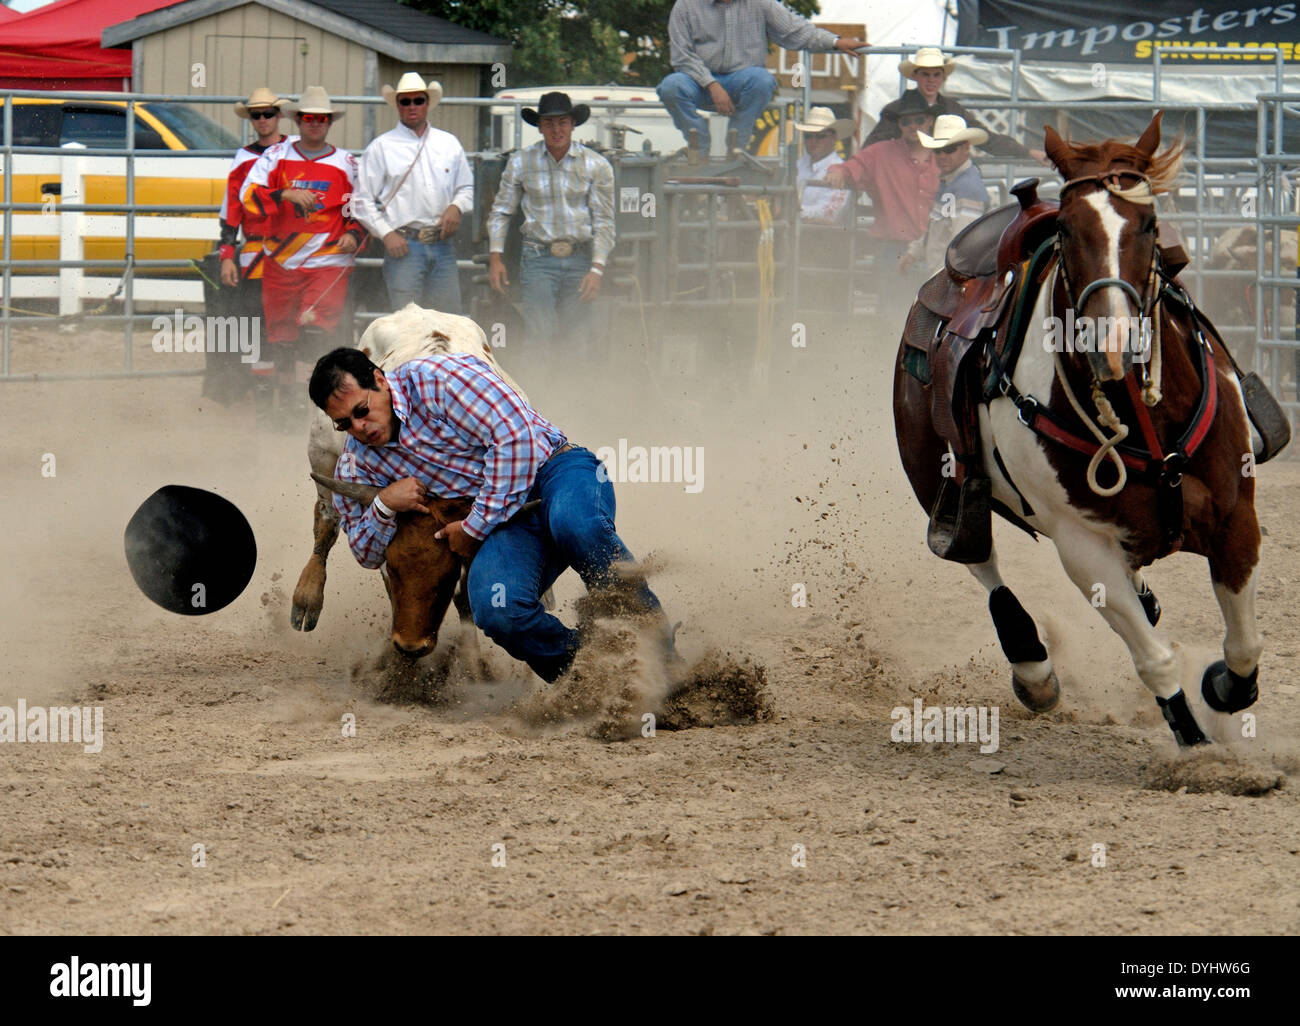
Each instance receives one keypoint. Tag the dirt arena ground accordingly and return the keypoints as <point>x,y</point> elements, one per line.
<point>225,731</point>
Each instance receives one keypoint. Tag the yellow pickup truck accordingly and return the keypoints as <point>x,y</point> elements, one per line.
<point>102,124</point>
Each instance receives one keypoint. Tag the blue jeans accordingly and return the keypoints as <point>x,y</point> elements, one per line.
<point>554,316</point>
<point>750,89</point>
<point>426,276</point>
<point>574,527</point>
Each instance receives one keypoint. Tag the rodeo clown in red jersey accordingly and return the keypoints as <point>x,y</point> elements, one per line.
<point>305,187</point>
<point>241,263</point>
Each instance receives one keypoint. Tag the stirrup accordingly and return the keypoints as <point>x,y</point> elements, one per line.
<point>1267,415</point>
<point>961,523</point>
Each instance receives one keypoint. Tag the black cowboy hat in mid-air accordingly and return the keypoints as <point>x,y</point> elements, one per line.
<point>555,105</point>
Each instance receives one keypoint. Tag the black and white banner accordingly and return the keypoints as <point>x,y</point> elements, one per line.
<point>1123,31</point>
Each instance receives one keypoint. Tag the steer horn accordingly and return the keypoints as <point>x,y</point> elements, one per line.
<point>363,493</point>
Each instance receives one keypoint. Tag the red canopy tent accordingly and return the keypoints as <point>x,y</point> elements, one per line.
<point>57,46</point>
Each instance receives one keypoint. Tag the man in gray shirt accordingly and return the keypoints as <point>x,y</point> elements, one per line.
<point>719,51</point>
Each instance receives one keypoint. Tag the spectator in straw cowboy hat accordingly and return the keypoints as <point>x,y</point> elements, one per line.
<point>567,193</point>
<point>962,196</point>
<point>822,131</point>
<point>413,185</point>
<point>719,55</point>
<point>241,263</point>
<point>929,68</point>
<point>305,185</point>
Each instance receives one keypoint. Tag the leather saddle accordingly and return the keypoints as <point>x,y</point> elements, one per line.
<point>969,298</point>
<point>956,312</point>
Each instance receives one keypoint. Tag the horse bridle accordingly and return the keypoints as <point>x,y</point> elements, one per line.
<point>1110,181</point>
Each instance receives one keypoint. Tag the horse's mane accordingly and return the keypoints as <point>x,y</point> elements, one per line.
<point>1163,169</point>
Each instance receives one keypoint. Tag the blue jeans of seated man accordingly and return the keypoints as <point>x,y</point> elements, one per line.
<point>750,89</point>
<point>574,527</point>
<point>426,276</point>
<point>555,319</point>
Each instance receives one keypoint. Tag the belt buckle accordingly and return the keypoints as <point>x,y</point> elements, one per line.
<point>561,249</point>
<point>428,236</point>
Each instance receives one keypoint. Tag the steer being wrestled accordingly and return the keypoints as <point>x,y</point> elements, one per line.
<point>448,436</point>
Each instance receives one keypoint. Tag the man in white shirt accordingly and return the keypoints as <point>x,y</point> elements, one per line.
<point>821,132</point>
<point>413,185</point>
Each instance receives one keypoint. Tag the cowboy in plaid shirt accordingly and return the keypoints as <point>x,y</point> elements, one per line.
<point>450,426</point>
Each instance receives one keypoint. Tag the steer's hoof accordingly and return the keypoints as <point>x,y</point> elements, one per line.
<point>304,618</point>
<point>1041,697</point>
<point>1149,605</point>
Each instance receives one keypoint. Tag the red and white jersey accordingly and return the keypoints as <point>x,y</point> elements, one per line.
<point>310,241</point>
<point>233,216</point>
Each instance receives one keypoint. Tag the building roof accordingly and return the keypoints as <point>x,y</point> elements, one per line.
<point>386,27</point>
<point>407,23</point>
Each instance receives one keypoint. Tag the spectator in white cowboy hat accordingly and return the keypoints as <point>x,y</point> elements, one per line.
<point>413,185</point>
<point>821,132</point>
<point>240,295</point>
<point>566,190</point>
<point>719,55</point>
<point>306,185</point>
<point>929,68</point>
<point>962,196</point>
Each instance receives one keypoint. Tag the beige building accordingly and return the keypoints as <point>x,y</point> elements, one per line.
<point>227,47</point>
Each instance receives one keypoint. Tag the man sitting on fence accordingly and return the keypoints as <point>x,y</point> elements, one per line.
<point>719,55</point>
<point>306,186</point>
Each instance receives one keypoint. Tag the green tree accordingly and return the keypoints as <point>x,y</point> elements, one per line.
<point>576,42</point>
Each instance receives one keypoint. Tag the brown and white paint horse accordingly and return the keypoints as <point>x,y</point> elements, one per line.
<point>1188,483</point>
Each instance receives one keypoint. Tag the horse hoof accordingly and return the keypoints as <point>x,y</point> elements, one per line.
<point>1039,698</point>
<point>303,618</point>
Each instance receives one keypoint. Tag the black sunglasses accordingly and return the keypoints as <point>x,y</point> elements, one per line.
<point>908,120</point>
<point>359,412</point>
<point>257,115</point>
<point>951,149</point>
<point>417,101</point>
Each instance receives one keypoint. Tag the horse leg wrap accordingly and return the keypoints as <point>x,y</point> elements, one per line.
<point>1226,692</point>
<point>1181,721</point>
<point>1148,599</point>
<point>1016,629</point>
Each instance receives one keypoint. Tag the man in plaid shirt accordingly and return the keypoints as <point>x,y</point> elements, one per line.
<point>450,426</point>
<point>567,192</point>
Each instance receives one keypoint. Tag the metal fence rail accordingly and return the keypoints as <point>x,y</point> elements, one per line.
<point>695,252</point>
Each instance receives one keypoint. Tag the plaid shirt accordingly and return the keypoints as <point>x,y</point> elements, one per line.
<point>712,38</point>
<point>462,431</point>
<point>570,200</point>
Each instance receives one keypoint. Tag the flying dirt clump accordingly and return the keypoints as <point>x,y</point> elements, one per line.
<point>1210,770</point>
<point>620,674</point>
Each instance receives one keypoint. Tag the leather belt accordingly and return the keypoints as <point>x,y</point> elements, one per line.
<point>425,235</point>
<point>561,248</point>
<point>561,451</point>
